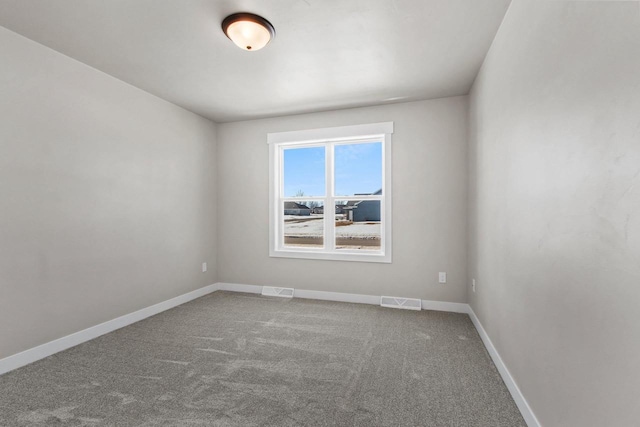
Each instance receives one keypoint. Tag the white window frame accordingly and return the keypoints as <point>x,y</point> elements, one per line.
<point>328,137</point>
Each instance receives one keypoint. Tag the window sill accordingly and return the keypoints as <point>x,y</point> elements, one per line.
<point>331,256</point>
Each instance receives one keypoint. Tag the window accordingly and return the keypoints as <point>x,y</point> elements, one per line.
<point>330,193</point>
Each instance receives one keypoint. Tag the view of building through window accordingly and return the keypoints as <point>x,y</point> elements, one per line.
<point>357,180</point>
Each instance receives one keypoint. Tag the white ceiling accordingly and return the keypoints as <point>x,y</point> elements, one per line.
<point>327,54</point>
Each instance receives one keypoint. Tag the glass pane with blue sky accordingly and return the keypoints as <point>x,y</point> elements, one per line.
<point>358,168</point>
<point>304,172</point>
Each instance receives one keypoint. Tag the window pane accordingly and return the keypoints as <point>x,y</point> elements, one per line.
<point>303,227</point>
<point>358,224</point>
<point>304,172</point>
<point>358,169</point>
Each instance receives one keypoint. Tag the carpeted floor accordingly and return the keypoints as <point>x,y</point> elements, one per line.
<point>231,359</point>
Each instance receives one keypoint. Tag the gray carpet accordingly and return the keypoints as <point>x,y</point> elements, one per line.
<point>231,359</point>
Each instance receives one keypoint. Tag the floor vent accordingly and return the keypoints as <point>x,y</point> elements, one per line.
<point>270,291</point>
<point>404,303</point>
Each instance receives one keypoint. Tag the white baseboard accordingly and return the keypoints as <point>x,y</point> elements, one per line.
<point>235,287</point>
<point>517,395</point>
<point>453,307</point>
<point>302,293</point>
<point>40,352</point>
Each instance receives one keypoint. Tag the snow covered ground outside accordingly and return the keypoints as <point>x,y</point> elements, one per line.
<point>313,227</point>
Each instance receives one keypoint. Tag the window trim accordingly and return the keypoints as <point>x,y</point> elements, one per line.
<point>307,138</point>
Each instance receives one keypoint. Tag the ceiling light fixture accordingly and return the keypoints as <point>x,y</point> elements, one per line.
<point>248,31</point>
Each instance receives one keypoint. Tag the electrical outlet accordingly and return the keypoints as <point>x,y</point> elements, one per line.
<point>473,285</point>
<point>204,267</point>
<point>442,277</point>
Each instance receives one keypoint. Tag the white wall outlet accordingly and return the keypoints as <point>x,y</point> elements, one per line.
<point>473,285</point>
<point>204,267</point>
<point>442,277</point>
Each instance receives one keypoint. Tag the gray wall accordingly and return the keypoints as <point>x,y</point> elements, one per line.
<point>429,202</point>
<point>555,207</point>
<point>107,197</point>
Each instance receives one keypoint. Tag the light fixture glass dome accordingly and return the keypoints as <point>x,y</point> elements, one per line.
<point>248,31</point>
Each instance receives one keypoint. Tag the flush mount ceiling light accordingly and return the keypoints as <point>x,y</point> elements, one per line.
<point>248,31</point>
